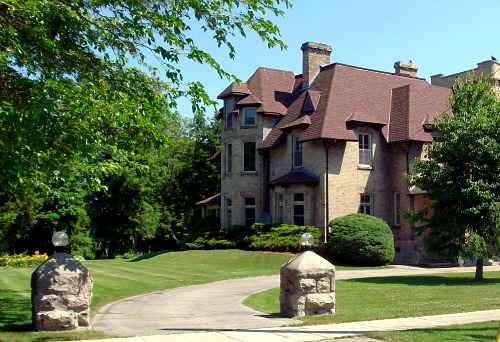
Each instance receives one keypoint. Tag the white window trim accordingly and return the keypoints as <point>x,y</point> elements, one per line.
<point>249,206</point>
<point>245,116</point>
<point>295,143</point>
<point>302,203</point>
<point>368,151</point>
<point>363,204</point>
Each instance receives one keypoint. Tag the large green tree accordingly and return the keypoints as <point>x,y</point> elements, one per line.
<point>461,174</point>
<point>76,84</point>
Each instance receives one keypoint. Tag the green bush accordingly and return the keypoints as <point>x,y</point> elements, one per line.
<point>260,237</point>
<point>361,239</point>
<point>280,237</point>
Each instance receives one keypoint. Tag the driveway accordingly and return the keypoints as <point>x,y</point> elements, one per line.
<point>214,306</point>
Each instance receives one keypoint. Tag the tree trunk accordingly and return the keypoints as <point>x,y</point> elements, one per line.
<point>479,270</point>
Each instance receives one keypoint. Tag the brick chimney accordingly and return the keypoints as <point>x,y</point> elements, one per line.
<point>405,68</point>
<point>314,55</point>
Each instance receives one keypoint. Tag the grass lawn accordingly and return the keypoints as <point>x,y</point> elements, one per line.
<point>117,279</point>
<point>404,296</point>
<point>463,333</point>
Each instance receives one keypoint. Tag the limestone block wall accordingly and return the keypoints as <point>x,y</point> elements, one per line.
<point>239,184</point>
<point>347,180</point>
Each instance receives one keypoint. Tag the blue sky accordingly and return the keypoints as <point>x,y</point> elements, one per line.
<point>440,36</point>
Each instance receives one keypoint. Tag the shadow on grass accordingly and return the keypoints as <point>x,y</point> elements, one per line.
<point>149,256</point>
<point>15,312</point>
<point>467,332</point>
<point>428,280</point>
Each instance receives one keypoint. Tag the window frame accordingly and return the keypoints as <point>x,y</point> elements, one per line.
<point>366,204</point>
<point>245,157</point>
<point>229,158</point>
<point>397,209</point>
<point>280,207</point>
<point>229,212</point>
<point>228,107</point>
<point>252,207</point>
<point>245,117</point>
<point>297,151</point>
<point>365,149</point>
<point>298,219</point>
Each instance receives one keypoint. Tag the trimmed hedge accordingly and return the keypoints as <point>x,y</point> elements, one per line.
<point>259,237</point>
<point>360,239</point>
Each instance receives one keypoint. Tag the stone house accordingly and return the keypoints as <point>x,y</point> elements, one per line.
<point>334,140</point>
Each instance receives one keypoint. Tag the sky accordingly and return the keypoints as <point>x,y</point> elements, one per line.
<point>439,36</point>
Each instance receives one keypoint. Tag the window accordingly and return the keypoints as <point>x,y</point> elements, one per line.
<point>249,156</point>
<point>365,149</point>
<point>249,211</point>
<point>397,209</point>
<point>280,205</point>
<point>229,158</point>
<point>229,213</point>
<point>365,206</point>
<point>297,152</point>
<point>298,209</point>
<point>249,115</point>
<point>229,116</point>
<point>214,212</point>
<point>308,105</point>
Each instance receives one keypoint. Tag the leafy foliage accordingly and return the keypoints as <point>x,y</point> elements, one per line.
<point>461,174</point>
<point>80,101</point>
<point>259,237</point>
<point>361,239</point>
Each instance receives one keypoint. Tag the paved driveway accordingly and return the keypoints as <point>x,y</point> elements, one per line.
<point>212,306</point>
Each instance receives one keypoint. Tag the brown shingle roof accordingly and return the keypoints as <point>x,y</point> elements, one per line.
<point>295,177</point>
<point>234,89</point>
<point>273,88</point>
<point>215,199</point>
<point>355,95</point>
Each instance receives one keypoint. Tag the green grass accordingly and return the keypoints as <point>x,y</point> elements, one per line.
<point>405,296</point>
<point>118,279</point>
<point>463,333</point>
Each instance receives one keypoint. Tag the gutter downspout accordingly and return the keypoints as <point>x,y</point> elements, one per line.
<point>327,193</point>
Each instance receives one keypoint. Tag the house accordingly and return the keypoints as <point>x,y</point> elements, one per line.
<point>334,140</point>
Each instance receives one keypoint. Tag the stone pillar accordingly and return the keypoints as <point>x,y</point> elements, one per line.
<point>307,286</point>
<point>61,294</point>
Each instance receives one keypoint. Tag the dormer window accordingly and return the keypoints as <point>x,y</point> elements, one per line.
<point>308,105</point>
<point>249,116</point>
<point>227,114</point>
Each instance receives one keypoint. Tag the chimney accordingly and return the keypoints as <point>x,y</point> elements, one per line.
<point>405,68</point>
<point>314,55</point>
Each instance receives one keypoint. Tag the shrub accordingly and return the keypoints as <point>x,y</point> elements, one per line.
<point>361,239</point>
<point>261,237</point>
<point>281,237</point>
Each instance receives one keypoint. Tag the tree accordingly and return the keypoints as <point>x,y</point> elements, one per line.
<point>461,174</point>
<point>75,83</point>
